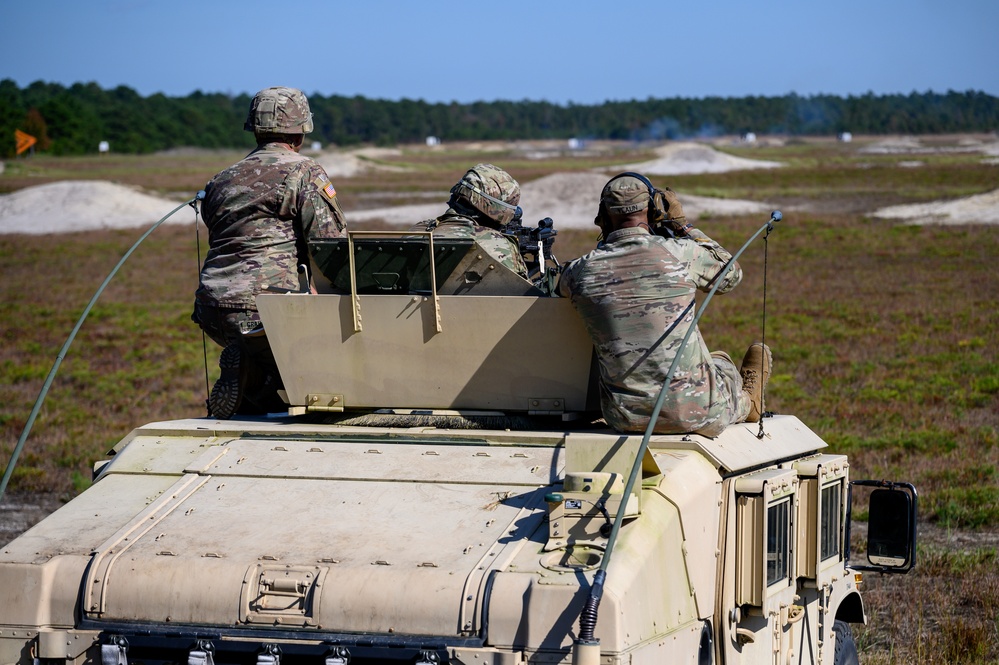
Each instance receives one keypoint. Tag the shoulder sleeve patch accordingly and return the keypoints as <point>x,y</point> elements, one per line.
<point>325,187</point>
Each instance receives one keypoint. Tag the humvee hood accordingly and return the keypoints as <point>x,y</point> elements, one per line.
<point>345,536</point>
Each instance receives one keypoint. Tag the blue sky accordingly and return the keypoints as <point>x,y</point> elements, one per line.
<point>583,52</point>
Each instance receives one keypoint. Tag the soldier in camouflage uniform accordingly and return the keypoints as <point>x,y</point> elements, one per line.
<point>260,213</point>
<point>635,294</point>
<point>481,202</point>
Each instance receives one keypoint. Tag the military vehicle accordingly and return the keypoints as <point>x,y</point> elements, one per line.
<point>439,490</point>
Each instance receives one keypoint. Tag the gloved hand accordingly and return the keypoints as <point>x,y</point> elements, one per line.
<point>675,218</point>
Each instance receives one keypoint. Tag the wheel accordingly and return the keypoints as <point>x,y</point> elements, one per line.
<point>706,650</point>
<point>846,648</point>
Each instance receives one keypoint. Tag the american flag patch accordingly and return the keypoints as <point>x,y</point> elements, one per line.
<point>330,191</point>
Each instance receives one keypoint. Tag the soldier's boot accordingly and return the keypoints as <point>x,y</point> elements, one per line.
<point>263,378</point>
<point>263,397</point>
<point>227,393</point>
<point>755,372</point>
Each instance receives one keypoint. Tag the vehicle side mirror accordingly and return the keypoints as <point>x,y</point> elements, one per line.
<point>891,527</point>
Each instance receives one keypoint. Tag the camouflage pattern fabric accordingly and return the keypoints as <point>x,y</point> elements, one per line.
<point>279,111</point>
<point>624,194</point>
<point>455,225</point>
<point>260,213</point>
<point>629,291</point>
<point>490,190</point>
<point>704,258</point>
<point>225,325</point>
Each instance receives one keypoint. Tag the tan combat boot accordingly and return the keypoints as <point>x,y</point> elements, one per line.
<point>755,374</point>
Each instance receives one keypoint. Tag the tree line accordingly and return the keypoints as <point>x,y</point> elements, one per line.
<point>74,120</point>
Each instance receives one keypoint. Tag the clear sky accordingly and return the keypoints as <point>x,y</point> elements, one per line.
<point>582,51</point>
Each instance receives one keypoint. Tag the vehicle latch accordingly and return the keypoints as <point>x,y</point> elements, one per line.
<point>287,595</point>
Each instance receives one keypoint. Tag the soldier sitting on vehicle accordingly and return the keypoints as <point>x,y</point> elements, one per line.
<point>635,293</point>
<point>483,201</point>
<point>260,212</point>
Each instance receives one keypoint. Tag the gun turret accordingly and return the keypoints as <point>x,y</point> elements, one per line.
<point>535,246</point>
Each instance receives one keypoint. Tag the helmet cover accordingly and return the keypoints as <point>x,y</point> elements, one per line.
<point>279,111</point>
<point>490,190</point>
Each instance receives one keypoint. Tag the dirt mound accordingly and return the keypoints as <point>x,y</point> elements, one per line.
<point>894,145</point>
<point>83,205</point>
<point>978,209</point>
<point>691,158</point>
<point>904,145</point>
<point>404,216</point>
<point>568,198</point>
<point>351,162</point>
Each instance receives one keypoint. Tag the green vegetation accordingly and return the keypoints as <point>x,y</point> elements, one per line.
<point>951,618</point>
<point>73,120</point>
<point>885,338</point>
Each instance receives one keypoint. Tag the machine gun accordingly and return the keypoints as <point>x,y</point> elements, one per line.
<point>535,245</point>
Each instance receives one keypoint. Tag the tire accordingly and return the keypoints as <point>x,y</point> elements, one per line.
<point>846,648</point>
<point>706,650</point>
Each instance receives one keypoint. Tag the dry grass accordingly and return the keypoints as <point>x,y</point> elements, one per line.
<point>885,340</point>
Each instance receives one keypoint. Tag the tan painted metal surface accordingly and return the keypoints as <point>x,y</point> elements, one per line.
<point>493,352</point>
<point>372,530</point>
<point>428,543</point>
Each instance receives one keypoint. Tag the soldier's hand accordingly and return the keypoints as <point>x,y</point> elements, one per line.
<point>675,218</point>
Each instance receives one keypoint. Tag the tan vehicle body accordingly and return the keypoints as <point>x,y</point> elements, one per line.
<point>262,539</point>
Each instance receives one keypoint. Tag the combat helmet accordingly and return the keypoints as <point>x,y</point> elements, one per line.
<point>491,191</point>
<point>279,111</point>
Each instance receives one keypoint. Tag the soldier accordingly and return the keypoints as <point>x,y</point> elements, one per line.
<point>481,202</point>
<point>260,212</point>
<point>635,293</point>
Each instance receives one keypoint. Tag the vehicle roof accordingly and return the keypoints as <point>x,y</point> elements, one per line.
<point>739,448</point>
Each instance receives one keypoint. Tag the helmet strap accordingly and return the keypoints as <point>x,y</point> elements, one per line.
<point>461,206</point>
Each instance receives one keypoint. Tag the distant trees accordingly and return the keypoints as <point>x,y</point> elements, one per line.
<point>74,120</point>
<point>35,125</point>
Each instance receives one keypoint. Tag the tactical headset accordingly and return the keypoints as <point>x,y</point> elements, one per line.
<point>657,203</point>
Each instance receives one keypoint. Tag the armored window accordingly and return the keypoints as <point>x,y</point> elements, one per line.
<point>832,502</point>
<point>765,536</point>
<point>820,517</point>
<point>778,542</point>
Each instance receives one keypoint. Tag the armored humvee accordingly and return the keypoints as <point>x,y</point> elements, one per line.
<point>439,491</point>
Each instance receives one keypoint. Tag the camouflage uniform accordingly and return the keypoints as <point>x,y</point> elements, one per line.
<point>629,291</point>
<point>704,258</point>
<point>453,224</point>
<point>483,200</point>
<point>260,213</point>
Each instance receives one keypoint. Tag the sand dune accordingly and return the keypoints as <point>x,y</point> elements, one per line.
<point>978,209</point>
<point>83,205</point>
<point>570,199</point>
<point>691,158</point>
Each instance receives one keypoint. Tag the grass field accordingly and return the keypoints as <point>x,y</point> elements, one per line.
<point>885,339</point>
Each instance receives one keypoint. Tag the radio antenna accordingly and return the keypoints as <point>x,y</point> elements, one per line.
<point>775,216</point>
